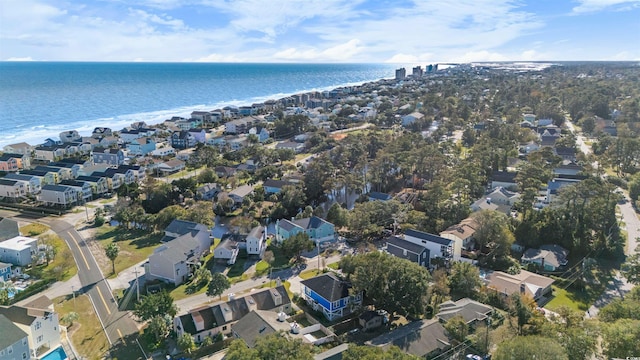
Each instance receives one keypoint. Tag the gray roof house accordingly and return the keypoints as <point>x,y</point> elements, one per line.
<point>470,310</point>
<point>14,341</point>
<point>422,338</point>
<point>438,246</point>
<point>8,229</point>
<point>549,257</point>
<point>404,249</point>
<point>211,320</point>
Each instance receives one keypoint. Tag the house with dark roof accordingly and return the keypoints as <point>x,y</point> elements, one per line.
<point>227,250</point>
<point>566,153</point>
<point>404,249</point>
<point>14,162</point>
<point>549,257</point>
<point>8,229</point>
<point>13,189</point>
<point>182,139</point>
<point>99,185</point>
<point>208,321</point>
<point>504,179</point>
<point>499,199</point>
<point>39,321</point>
<point>473,312</point>
<point>101,132</point>
<point>179,227</point>
<point>372,319</point>
<point>438,246</point>
<point>33,183</point>
<point>330,295</point>
<point>208,191</point>
<point>14,342</point>
<point>421,338</point>
<point>318,230</point>
<point>84,189</point>
<point>111,156</point>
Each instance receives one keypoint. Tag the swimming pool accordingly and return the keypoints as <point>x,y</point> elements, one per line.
<point>57,354</point>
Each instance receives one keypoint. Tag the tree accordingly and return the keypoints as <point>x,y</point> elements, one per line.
<point>275,346</point>
<point>337,215</point>
<point>621,338</point>
<point>112,250</point>
<point>440,289</point>
<point>158,329</point>
<point>391,283</point>
<point>158,304</point>
<point>465,278</point>
<point>202,276</point>
<point>186,343</point>
<point>521,307</point>
<point>529,348</point>
<point>70,317</point>
<point>631,269</point>
<point>218,284</point>
<point>457,328</point>
<point>355,352</point>
<point>294,246</point>
<point>6,288</point>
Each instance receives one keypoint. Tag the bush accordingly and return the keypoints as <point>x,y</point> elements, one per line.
<point>617,181</point>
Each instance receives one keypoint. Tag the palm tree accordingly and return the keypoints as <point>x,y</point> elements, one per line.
<point>112,250</point>
<point>70,317</point>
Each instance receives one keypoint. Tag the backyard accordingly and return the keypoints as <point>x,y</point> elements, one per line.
<point>577,297</point>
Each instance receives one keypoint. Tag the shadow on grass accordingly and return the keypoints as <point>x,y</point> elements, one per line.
<point>140,238</point>
<point>128,349</point>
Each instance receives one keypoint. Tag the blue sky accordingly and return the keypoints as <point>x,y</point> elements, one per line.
<point>401,31</point>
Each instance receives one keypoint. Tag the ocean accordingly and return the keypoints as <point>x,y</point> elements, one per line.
<point>41,99</point>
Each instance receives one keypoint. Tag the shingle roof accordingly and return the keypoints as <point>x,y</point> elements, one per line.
<point>328,286</point>
<point>11,333</point>
<point>470,310</point>
<point>418,338</point>
<point>8,229</point>
<point>428,237</point>
<point>396,247</point>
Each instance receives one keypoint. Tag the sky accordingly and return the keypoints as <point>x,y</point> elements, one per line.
<point>319,31</point>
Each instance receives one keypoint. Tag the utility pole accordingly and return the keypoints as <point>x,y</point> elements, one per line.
<point>135,270</point>
<point>318,244</point>
<point>73,291</point>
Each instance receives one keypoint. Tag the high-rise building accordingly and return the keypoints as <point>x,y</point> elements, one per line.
<point>401,74</point>
<point>417,71</point>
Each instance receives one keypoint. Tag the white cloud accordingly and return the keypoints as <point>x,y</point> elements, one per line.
<point>340,52</point>
<point>586,6</point>
<point>27,58</point>
<point>479,56</point>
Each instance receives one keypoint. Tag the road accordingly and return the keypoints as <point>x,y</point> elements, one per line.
<point>117,324</point>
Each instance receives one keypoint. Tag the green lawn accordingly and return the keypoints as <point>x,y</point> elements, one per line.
<point>86,333</point>
<point>334,266</point>
<point>62,267</point>
<point>308,274</point>
<point>135,245</point>
<point>33,229</point>
<point>580,299</point>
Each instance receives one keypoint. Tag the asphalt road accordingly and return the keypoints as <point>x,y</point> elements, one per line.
<point>117,324</point>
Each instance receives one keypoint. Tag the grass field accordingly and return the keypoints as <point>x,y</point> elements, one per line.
<point>135,246</point>
<point>580,299</point>
<point>86,333</point>
<point>33,229</point>
<point>308,274</point>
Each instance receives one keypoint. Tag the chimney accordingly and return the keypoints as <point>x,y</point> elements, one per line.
<point>277,298</point>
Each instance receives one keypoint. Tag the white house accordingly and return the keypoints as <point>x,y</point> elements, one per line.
<point>13,189</point>
<point>257,241</point>
<point>18,250</point>
<point>438,246</point>
<point>39,321</point>
<point>58,195</point>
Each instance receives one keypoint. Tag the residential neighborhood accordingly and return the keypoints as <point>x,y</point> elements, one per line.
<point>414,216</point>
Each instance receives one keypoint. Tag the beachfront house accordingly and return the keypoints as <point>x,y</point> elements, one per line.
<point>19,148</point>
<point>13,162</point>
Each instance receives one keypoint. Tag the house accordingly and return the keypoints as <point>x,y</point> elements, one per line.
<point>504,179</point>
<point>291,145</point>
<point>566,153</point>
<point>5,272</point>
<point>202,116</point>
<point>530,118</point>
<point>58,195</point>
<point>199,134</point>
<point>404,249</point>
<point>227,250</point>
<point>84,189</point>
<point>14,343</point>
<point>33,183</point>
<point>178,228</point>
<point>49,153</point>
<point>409,119</point>
<point>101,132</point>
<point>374,195</point>
<point>549,257</point>
<point>421,338</point>
<point>173,262</point>
<point>224,171</point>
<point>528,283</point>
<point>19,250</point>
<point>372,319</point>
<point>13,162</point>
<point>554,186</point>
<point>256,241</point>
<point>59,173</point>
<point>141,146</point>
<point>208,191</point>
<point>182,140</point>
<point>162,151</point>
<point>274,186</point>
<point>170,167</point>
<point>567,168</point>
<point>70,136</point>
<point>110,156</point>
<point>499,199</point>
<point>319,230</point>
<point>240,193</point>
<point>471,311</point>
<point>99,185</point>
<point>463,234</point>
<point>19,148</point>
<point>240,126</point>
<point>13,189</point>
<point>128,135</point>
<point>330,295</point>
<point>529,147</point>
<point>261,132</point>
<point>209,321</point>
<point>438,246</point>
<point>39,321</point>
<point>8,229</point>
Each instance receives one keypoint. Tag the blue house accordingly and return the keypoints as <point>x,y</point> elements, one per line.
<point>5,271</point>
<point>141,146</point>
<point>329,294</point>
<point>319,230</point>
<point>261,132</point>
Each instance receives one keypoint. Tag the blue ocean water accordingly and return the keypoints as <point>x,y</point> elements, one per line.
<point>41,99</point>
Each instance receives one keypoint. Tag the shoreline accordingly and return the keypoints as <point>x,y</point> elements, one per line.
<point>152,118</point>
